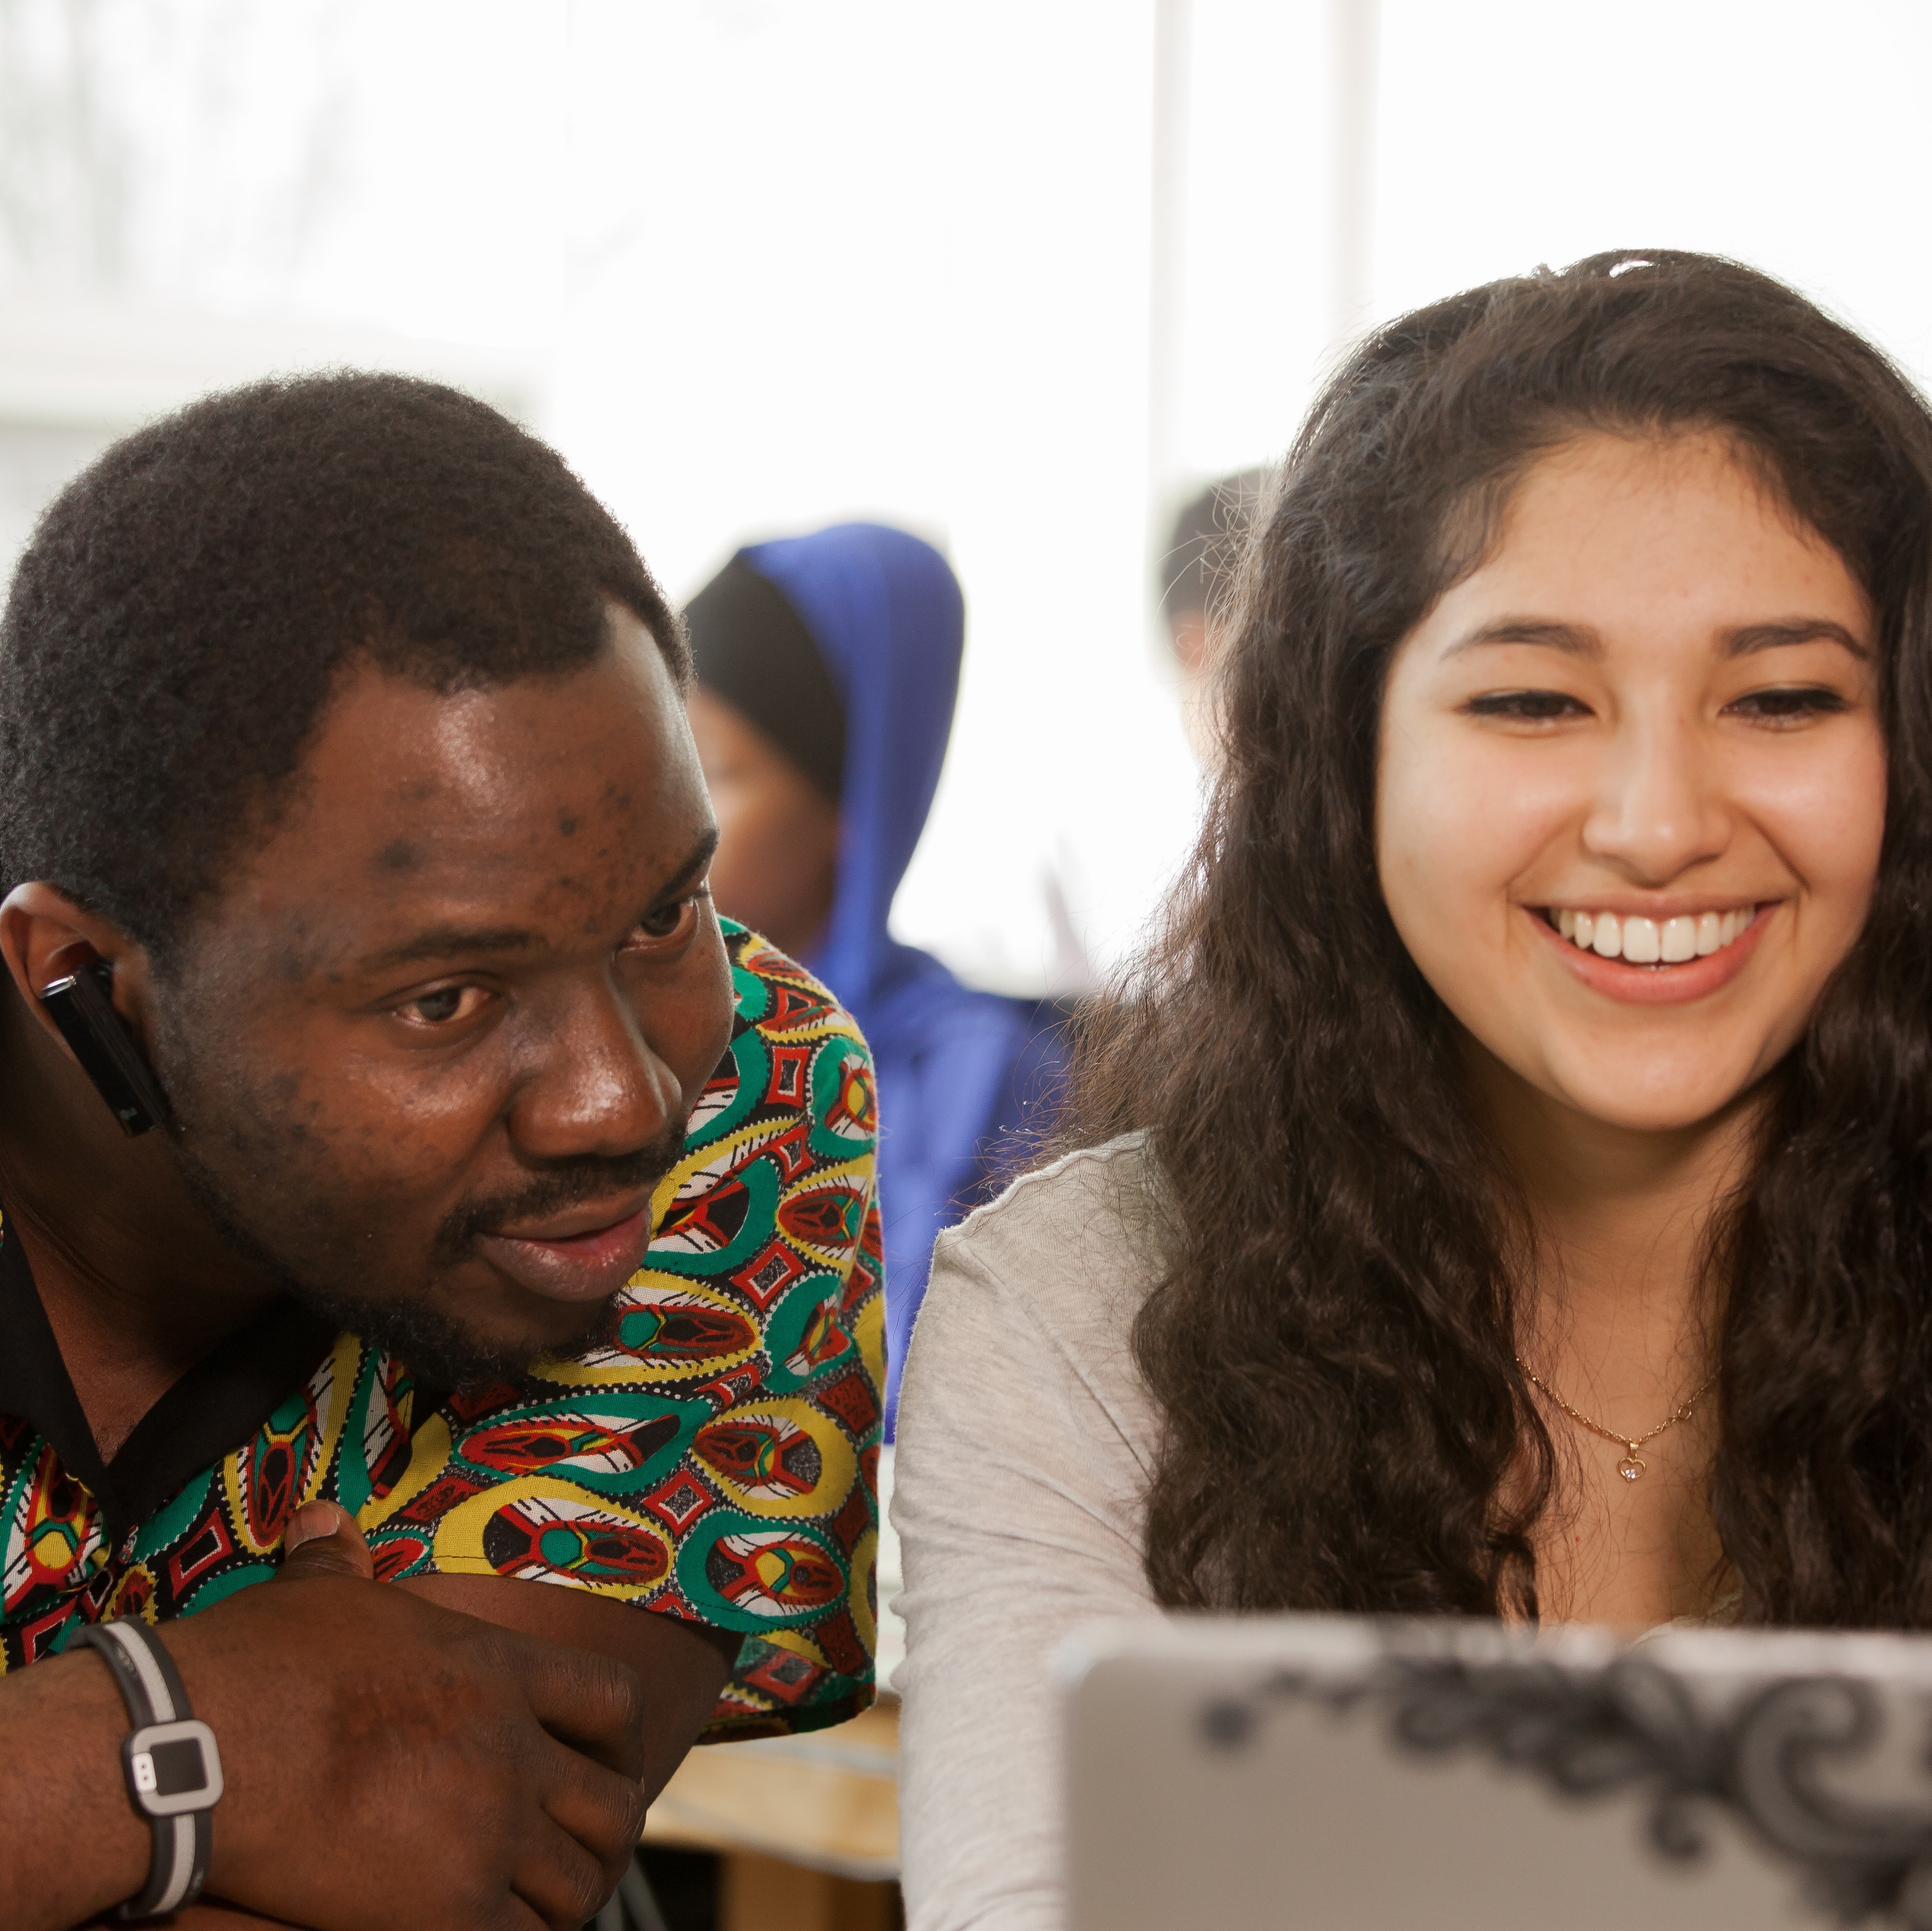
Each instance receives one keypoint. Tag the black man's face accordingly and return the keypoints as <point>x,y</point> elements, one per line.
<point>440,1036</point>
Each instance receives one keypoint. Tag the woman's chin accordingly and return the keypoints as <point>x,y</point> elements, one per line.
<point>1550,1078</point>
<point>1631,1098</point>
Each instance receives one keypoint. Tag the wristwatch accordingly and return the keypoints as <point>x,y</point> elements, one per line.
<point>173,1767</point>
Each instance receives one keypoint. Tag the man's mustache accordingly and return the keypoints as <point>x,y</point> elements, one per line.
<point>562,1185</point>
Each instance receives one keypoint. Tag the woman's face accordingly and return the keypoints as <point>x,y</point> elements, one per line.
<point>1632,781</point>
<point>777,866</point>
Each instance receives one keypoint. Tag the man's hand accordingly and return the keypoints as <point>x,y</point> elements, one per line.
<point>390,1762</point>
<point>211,1914</point>
<point>461,1752</point>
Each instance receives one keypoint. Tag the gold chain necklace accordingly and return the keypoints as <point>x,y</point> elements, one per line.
<point>1632,1465</point>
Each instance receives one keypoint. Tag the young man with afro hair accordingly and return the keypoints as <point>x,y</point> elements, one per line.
<point>439,1297</point>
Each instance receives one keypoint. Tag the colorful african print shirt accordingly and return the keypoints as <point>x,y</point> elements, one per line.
<point>716,1462</point>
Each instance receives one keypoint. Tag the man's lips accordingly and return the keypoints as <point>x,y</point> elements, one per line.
<point>584,1255</point>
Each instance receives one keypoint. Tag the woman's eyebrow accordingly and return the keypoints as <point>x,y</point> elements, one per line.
<point>1748,637</point>
<point>1578,640</point>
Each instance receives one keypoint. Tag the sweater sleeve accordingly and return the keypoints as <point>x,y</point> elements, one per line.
<point>1025,1439</point>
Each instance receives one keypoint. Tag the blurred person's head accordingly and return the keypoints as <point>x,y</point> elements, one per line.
<point>1600,598</point>
<point>1196,579</point>
<point>770,725</point>
<point>1202,559</point>
<point>344,726</point>
<point>827,668</point>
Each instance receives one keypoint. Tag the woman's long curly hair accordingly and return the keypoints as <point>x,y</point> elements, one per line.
<point>1332,1341</point>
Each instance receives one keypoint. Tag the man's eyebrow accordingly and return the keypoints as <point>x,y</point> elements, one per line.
<point>1742,642</point>
<point>445,942</point>
<point>1578,640</point>
<point>469,942</point>
<point>687,874</point>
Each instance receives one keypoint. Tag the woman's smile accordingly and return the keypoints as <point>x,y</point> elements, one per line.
<point>1659,960</point>
<point>1671,939</point>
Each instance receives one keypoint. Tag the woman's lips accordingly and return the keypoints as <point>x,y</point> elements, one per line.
<point>1660,984</point>
<point>590,1265</point>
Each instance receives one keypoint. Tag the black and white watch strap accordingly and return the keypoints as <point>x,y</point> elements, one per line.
<point>173,1767</point>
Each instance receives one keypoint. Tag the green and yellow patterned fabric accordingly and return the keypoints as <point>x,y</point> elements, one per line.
<point>716,1461</point>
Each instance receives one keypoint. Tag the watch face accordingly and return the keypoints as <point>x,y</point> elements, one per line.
<point>173,1767</point>
<point>169,1769</point>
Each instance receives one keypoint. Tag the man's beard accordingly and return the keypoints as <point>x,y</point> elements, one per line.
<point>436,1346</point>
<point>290,1228</point>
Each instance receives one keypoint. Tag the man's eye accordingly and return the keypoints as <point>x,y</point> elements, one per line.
<point>1531,706</point>
<point>447,1003</point>
<point>669,921</point>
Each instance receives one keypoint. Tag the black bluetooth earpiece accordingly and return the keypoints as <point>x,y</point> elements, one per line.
<point>81,1005</point>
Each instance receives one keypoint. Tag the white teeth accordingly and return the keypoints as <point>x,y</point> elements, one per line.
<point>1642,941</point>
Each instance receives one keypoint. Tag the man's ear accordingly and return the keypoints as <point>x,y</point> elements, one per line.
<point>45,936</point>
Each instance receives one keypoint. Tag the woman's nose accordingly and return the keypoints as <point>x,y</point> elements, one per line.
<point>1659,807</point>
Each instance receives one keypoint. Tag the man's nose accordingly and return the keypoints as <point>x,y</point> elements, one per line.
<point>593,1083</point>
<point>1659,807</point>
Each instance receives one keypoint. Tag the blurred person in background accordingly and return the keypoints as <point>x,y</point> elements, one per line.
<point>1197,572</point>
<point>828,666</point>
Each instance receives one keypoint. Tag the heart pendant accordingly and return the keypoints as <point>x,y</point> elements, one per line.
<point>1630,1468</point>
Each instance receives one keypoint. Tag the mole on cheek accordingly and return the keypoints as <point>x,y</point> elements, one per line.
<point>398,854</point>
<point>290,950</point>
<point>567,825</point>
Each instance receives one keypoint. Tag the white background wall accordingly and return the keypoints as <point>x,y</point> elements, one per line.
<point>768,263</point>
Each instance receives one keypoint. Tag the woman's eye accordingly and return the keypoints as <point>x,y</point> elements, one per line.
<point>1530,706</point>
<point>1789,705</point>
<point>447,1003</point>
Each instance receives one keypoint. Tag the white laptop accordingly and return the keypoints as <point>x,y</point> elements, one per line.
<point>1332,1773</point>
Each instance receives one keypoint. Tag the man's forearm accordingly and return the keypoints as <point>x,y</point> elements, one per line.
<point>71,1845</point>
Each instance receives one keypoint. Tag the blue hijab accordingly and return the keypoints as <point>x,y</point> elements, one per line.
<point>957,1069</point>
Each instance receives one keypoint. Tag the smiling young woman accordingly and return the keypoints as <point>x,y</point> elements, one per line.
<point>1505,1187</point>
